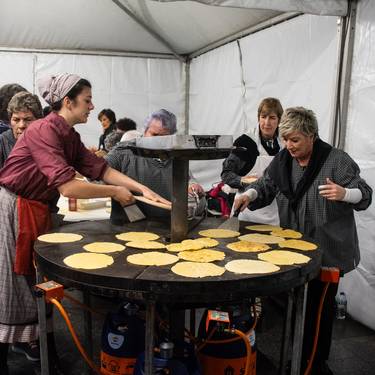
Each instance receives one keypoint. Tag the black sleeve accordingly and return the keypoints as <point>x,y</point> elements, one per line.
<point>238,163</point>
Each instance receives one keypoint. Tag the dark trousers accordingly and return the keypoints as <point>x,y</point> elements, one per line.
<point>315,289</point>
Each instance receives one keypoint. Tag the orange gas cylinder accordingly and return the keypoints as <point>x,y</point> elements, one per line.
<point>225,352</point>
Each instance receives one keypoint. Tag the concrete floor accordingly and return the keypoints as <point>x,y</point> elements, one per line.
<point>353,348</point>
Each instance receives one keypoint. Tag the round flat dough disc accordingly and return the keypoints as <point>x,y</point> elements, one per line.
<point>176,247</point>
<point>263,227</point>
<point>247,247</point>
<point>298,244</point>
<point>203,256</point>
<point>137,236</point>
<point>88,261</point>
<point>261,238</point>
<point>103,247</point>
<point>219,233</point>
<point>60,237</point>
<point>248,266</point>
<point>197,270</point>
<point>192,244</point>
<point>207,242</point>
<point>283,257</point>
<point>286,233</point>
<point>152,258</point>
<point>146,245</point>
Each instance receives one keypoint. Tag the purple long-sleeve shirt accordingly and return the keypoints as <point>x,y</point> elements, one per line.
<point>46,156</point>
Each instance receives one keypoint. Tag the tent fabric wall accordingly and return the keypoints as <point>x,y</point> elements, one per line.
<point>297,64</point>
<point>359,285</point>
<point>132,87</point>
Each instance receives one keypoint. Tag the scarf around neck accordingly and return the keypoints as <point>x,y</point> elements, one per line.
<point>280,171</point>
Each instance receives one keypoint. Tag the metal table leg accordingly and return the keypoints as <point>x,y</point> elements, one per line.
<point>149,339</point>
<point>42,318</point>
<point>87,318</point>
<point>177,333</point>
<point>192,321</point>
<point>301,294</point>
<point>286,333</point>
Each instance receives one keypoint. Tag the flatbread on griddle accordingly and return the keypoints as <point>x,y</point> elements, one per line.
<point>263,227</point>
<point>286,233</point>
<point>260,238</point>
<point>152,258</point>
<point>247,266</point>
<point>103,247</point>
<point>207,242</point>
<point>137,236</point>
<point>298,244</point>
<point>88,261</point>
<point>203,256</point>
<point>219,233</point>
<point>247,247</point>
<point>147,245</point>
<point>192,244</point>
<point>60,237</point>
<point>284,257</point>
<point>197,270</point>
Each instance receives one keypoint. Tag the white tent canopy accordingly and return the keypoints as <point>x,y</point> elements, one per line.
<point>211,62</point>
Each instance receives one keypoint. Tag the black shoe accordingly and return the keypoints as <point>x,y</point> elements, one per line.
<point>321,368</point>
<point>29,349</point>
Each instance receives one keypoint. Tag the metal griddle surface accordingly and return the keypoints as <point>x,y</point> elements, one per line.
<point>133,281</point>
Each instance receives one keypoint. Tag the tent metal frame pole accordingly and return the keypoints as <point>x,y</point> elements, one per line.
<point>187,96</point>
<point>149,29</point>
<point>344,73</point>
<point>250,30</point>
<point>89,53</point>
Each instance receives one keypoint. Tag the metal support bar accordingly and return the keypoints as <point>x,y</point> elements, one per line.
<point>179,214</point>
<point>176,331</point>
<point>299,324</point>
<point>87,318</point>
<point>343,76</point>
<point>187,97</point>
<point>192,321</point>
<point>42,319</point>
<point>149,339</point>
<point>81,52</point>
<point>286,333</point>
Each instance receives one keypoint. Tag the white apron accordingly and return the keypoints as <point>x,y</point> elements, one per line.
<point>268,214</point>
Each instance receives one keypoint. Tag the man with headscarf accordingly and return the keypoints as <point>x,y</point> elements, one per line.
<point>154,173</point>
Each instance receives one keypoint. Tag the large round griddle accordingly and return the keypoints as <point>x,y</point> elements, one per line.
<point>130,281</point>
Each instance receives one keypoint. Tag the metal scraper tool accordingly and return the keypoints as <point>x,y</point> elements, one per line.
<point>232,223</point>
<point>134,213</point>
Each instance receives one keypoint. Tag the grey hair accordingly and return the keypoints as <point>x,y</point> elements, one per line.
<point>24,102</point>
<point>167,119</point>
<point>298,119</point>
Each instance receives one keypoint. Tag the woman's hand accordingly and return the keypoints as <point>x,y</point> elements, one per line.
<point>241,202</point>
<point>123,196</point>
<point>332,191</point>
<point>196,188</point>
<point>148,193</point>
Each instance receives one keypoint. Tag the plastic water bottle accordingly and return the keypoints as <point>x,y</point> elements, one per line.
<point>341,303</point>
